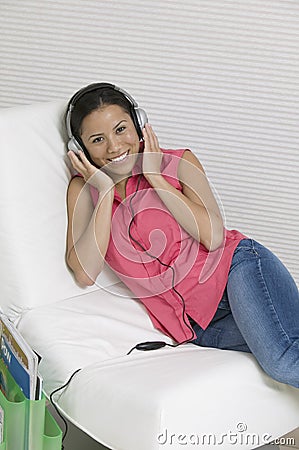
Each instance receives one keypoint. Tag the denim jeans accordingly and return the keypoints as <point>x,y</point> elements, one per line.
<point>258,313</point>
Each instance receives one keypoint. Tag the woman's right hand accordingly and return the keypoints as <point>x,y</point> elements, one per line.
<point>91,174</point>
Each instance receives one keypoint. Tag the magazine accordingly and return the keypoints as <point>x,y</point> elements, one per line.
<point>20,360</point>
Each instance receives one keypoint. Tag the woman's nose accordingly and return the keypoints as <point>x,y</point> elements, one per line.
<point>114,145</point>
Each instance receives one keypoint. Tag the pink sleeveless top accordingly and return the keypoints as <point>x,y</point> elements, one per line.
<point>198,275</point>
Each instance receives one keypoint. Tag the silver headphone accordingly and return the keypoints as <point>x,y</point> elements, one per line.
<point>138,115</point>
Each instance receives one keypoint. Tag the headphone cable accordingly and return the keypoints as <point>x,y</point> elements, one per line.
<point>56,408</point>
<point>154,345</point>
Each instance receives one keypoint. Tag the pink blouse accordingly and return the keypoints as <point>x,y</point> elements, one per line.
<point>142,230</point>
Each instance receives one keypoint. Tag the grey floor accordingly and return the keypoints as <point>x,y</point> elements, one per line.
<point>77,440</point>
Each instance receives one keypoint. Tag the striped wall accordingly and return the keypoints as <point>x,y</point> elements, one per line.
<point>219,77</point>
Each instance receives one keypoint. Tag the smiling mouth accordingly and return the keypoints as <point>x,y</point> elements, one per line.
<point>119,158</point>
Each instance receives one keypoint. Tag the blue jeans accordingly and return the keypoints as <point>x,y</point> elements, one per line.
<point>258,313</point>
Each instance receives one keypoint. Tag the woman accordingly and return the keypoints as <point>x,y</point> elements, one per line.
<point>151,215</point>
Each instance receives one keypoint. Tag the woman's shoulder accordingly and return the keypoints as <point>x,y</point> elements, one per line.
<point>76,187</point>
<point>181,158</point>
<point>179,152</point>
<point>182,153</point>
<point>77,181</point>
<point>191,158</point>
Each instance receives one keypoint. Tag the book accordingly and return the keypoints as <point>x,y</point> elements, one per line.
<point>20,359</point>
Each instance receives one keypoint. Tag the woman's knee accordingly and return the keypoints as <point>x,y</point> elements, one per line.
<point>285,368</point>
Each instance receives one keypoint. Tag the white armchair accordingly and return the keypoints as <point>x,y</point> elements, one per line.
<point>162,399</point>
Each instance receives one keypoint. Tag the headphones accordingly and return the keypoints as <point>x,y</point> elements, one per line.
<point>138,115</point>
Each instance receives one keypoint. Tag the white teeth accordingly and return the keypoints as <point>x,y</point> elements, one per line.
<point>119,158</point>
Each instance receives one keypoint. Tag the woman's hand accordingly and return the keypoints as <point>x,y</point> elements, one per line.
<point>91,174</point>
<point>152,154</point>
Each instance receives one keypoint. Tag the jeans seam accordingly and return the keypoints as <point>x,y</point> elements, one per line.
<point>254,249</point>
<point>285,335</point>
<point>243,247</point>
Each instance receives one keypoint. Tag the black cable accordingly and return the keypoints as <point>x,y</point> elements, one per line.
<point>55,407</point>
<point>154,345</point>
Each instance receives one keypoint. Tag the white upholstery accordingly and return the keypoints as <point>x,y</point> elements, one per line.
<point>124,401</point>
<point>33,185</point>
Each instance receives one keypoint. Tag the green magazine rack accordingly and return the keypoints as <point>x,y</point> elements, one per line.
<point>28,425</point>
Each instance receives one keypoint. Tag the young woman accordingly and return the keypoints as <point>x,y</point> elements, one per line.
<point>151,215</point>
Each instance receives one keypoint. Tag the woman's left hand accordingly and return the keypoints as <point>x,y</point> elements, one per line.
<point>152,154</point>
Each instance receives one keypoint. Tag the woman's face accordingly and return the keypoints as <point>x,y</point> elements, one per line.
<point>111,139</point>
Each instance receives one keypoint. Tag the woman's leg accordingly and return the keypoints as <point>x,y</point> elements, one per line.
<point>264,301</point>
<point>222,331</point>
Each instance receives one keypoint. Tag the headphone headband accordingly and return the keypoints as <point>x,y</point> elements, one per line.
<point>139,116</point>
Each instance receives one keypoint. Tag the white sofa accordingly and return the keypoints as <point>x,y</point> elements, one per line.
<point>162,399</point>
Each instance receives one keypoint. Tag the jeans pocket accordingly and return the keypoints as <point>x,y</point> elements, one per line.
<point>246,250</point>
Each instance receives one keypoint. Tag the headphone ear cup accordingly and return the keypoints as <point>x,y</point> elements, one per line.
<point>142,118</point>
<point>74,145</point>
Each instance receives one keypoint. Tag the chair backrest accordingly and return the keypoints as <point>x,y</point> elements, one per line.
<point>35,173</point>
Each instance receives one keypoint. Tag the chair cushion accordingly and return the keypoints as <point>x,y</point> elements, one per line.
<point>151,400</point>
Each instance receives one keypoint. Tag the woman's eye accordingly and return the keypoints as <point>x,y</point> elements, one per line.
<point>120,129</point>
<point>97,140</point>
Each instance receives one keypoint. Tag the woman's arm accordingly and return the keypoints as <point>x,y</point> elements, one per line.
<point>88,229</point>
<point>195,208</point>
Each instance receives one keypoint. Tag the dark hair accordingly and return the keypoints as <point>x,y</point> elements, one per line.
<point>92,101</point>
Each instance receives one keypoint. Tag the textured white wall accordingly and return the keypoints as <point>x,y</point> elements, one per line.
<point>219,77</point>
